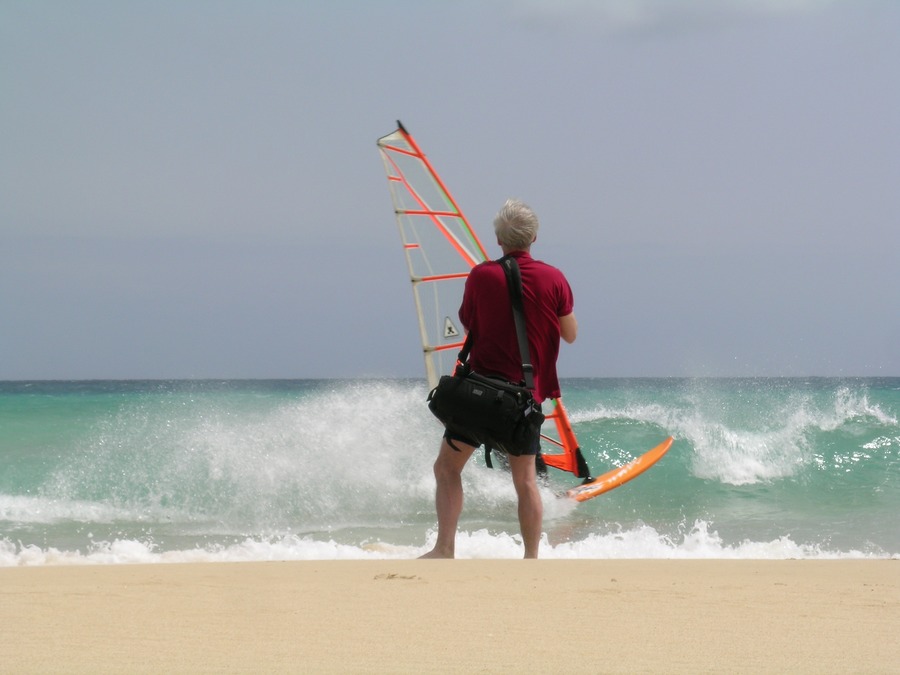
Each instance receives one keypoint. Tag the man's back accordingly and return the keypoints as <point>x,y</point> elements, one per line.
<point>487,314</point>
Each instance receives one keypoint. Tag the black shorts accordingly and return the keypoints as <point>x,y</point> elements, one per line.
<point>533,446</point>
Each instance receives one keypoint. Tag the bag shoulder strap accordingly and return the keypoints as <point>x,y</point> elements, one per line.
<point>514,282</point>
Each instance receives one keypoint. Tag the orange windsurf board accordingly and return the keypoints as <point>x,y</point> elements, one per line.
<point>616,477</point>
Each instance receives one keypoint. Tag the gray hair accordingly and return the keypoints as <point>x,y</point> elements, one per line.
<point>516,225</point>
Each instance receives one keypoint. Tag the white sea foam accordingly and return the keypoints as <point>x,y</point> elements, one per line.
<point>642,542</point>
<point>49,510</point>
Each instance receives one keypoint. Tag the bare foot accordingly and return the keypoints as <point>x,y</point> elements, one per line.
<point>434,554</point>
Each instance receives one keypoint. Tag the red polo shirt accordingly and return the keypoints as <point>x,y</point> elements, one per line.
<point>487,314</point>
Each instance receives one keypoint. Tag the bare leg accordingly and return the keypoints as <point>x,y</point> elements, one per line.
<point>448,496</point>
<point>531,509</point>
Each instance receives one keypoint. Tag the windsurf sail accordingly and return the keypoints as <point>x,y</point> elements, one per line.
<point>441,248</point>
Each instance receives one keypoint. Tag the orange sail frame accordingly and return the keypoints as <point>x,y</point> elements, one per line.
<point>441,248</point>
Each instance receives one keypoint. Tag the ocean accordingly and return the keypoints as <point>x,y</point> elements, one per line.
<point>177,471</point>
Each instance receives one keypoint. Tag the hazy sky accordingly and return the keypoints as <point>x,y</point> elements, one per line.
<point>192,189</point>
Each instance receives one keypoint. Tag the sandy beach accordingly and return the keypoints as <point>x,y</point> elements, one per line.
<point>491,616</point>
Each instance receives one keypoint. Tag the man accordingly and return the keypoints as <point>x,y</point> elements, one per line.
<point>487,315</point>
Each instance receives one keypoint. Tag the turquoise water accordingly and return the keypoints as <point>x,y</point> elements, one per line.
<point>130,471</point>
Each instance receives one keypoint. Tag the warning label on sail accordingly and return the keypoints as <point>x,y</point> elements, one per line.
<point>450,329</point>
